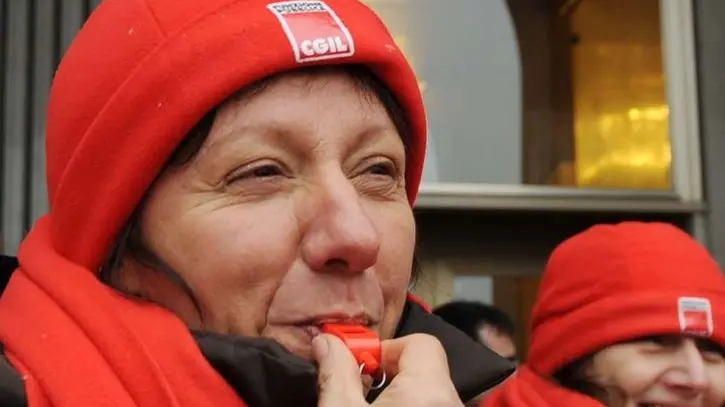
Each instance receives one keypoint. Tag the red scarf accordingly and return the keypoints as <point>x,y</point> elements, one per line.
<point>527,389</point>
<point>78,342</point>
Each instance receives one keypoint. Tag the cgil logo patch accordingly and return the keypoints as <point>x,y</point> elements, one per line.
<point>314,30</point>
<point>695,314</point>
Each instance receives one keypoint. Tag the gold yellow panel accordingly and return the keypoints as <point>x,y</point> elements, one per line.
<point>620,111</point>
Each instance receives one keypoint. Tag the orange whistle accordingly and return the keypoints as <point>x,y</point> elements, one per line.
<point>362,342</point>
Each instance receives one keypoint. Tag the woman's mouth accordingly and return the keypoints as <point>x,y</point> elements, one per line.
<point>313,326</point>
<point>338,318</point>
<point>296,336</point>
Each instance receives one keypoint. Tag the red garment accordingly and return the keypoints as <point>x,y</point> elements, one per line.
<point>423,304</point>
<point>608,284</point>
<point>139,75</point>
<point>614,283</point>
<point>527,389</point>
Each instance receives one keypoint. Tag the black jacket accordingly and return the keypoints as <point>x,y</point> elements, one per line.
<point>266,375</point>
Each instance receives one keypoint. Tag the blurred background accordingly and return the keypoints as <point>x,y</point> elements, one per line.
<point>546,116</point>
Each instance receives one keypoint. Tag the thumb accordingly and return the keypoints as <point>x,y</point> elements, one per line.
<point>338,378</point>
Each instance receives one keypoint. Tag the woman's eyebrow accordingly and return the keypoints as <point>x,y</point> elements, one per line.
<point>271,134</point>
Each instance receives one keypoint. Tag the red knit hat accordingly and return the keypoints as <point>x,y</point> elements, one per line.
<point>141,73</point>
<point>614,283</point>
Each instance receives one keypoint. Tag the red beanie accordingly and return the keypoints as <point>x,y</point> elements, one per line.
<point>141,73</point>
<point>614,283</point>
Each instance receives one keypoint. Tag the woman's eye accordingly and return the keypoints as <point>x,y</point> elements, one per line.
<point>711,350</point>
<point>266,171</point>
<point>261,171</point>
<point>382,169</point>
<point>663,340</point>
<point>713,355</point>
<point>659,340</point>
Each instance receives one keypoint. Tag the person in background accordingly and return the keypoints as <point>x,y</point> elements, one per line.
<point>627,315</point>
<point>483,323</point>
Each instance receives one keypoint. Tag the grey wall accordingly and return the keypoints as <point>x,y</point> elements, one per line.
<point>34,34</point>
<point>710,32</point>
<point>468,53</point>
<point>509,242</point>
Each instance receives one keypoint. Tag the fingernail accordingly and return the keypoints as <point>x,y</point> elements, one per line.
<point>320,347</point>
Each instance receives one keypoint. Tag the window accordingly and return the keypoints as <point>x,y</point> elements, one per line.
<point>540,92</point>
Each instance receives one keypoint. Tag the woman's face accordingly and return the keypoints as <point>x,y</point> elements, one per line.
<point>293,213</point>
<point>664,371</point>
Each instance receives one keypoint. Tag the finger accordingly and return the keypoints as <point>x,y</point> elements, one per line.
<point>367,384</point>
<point>421,374</point>
<point>339,376</point>
<point>419,353</point>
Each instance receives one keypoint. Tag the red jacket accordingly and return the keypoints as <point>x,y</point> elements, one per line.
<point>525,388</point>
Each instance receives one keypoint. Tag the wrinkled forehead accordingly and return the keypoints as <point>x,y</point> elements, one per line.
<point>339,98</point>
<point>313,85</point>
<point>280,108</point>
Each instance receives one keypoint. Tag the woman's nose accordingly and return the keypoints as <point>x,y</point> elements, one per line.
<point>690,373</point>
<point>340,235</point>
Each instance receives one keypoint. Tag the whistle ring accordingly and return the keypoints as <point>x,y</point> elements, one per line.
<point>381,383</point>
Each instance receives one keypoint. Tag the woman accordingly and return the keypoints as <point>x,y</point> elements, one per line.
<point>627,315</point>
<point>225,176</point>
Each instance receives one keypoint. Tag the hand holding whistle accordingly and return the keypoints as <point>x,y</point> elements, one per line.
<point>418,362</point>
<point>364,345</point>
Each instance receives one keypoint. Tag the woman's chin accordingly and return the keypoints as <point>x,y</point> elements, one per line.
<point>296,340</point>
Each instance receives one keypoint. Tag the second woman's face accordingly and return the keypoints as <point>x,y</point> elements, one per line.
<point>293,213</point>
<point>664,371</point>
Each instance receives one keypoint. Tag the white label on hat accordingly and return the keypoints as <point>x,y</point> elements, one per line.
<point>695,314</point>
<point>314,30</point>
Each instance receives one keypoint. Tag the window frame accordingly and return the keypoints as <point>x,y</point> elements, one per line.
<point>680,70</point>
